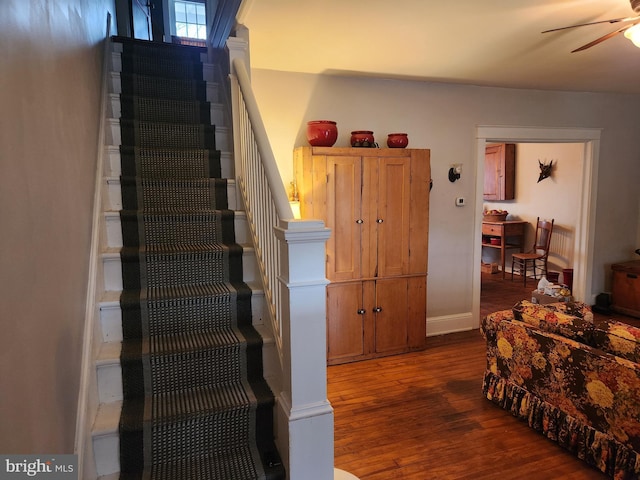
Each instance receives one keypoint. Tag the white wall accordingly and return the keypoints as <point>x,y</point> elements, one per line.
<point>556,197</point>
<point>444,117</point>
<point>49,92</point>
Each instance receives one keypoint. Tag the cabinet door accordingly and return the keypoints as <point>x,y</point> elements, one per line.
<point>492,168</point>
<point>346,317</point>
<point>419,211</point>
<point>499,172</point>
<point>400,314</point>
<point>343,216</point>
<point>386,205</point>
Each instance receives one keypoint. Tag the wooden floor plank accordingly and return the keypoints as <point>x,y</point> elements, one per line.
<point>422,415</point>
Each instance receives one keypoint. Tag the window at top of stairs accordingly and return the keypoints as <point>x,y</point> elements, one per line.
<point>190,19</point>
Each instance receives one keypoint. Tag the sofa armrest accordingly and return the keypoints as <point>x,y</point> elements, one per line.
<point>490,323</point>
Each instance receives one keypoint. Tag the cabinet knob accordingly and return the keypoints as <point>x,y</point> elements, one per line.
<point>379,220</point>
<point>359,221</point>
<point>361,311</point>
<point>377,309</point>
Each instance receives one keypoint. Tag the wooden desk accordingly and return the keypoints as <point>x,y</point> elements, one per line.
<point>510,233</point>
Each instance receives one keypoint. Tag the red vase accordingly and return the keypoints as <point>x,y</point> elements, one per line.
<point>397,140</point>
<point>362,138</point>
<point>322,133</point>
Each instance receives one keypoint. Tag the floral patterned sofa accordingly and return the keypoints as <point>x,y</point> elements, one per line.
<point>574,380</point>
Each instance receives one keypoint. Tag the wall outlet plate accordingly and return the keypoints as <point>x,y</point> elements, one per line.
<point>460,202</point>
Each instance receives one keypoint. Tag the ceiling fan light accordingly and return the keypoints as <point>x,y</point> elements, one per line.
<point>633,34</point>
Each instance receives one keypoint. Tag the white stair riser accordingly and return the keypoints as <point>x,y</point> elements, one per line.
<point>114,231</point>
<point>110,382</point>
<point>250,268</point>
<point>227,167</point>
<point>113,167</point>
<point>109,373</point>
<point>112,272</point>
<point>115,86</point>
<point>217,110</point>
<point>270,360</point>
<point>114,194</point>
<point>111,321</point>
<point>106,443</point>
<point>113,136</point>
<point>106,450</point>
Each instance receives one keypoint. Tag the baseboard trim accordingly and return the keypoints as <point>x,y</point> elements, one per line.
<point>459,322</point>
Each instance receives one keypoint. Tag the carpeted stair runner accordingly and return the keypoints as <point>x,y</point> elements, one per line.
<point>195,404</point>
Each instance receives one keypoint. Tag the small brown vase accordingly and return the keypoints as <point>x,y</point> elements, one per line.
<point>362,138</point>
<point>397,140</point>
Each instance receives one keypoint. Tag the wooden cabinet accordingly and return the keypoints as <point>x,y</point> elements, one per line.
<point>376,202</point>
<point>499,171</point>
<point>625,288</point>
<point>373,318</point>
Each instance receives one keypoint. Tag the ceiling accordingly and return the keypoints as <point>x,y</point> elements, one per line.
<point>477,42</point>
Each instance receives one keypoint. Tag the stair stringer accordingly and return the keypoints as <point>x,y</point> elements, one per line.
<point>88,392</point>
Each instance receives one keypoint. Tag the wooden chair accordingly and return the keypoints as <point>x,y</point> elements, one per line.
<point>537,256</point>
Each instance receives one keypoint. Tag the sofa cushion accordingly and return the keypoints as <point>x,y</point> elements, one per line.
<point>570,319</point>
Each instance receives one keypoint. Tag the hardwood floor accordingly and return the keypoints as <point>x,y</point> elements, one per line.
<point>498,294</point>
<point>422,415</point>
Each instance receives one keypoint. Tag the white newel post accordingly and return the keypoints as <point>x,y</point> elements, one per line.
<point>305,417</point>
<point>238,46</point>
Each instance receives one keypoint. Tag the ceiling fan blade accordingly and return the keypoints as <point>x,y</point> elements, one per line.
<point>603,38</point>
<point>613,20</point>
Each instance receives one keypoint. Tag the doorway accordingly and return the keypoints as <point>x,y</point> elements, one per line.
<point>585,227</point>
<point>139,19</point>
<point>533,197</point>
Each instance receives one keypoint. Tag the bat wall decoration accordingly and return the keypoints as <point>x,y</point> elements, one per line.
<point>545,170</point>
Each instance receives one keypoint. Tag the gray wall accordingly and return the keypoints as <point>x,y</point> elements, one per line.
<point>444,117</point>
<point>50,74</point>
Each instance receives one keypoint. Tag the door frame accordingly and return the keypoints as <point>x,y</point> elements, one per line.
<point>585,227</point>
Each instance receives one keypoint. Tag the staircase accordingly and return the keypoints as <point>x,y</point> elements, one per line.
<point>168,230</point>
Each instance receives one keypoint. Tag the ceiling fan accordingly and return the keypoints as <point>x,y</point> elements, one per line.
<point>628,29</point>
